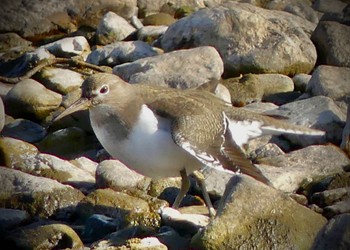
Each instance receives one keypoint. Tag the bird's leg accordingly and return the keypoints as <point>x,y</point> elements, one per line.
<point>185,186</point>
<point>201,181</point>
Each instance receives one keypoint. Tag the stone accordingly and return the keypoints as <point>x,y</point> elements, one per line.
<point>340,207</point>
<point>332,82</point>
<point>97,226</point>
<point>60,80</point>
<point>178,69</point>
<point>25,130</point>
<point>85,164</point>
<point>115,175</point>
<point>23,191</point>
<point>159,19</point>
<point>113,28</point>
<point>331,41</point>
<point>69,47</point>
<point>44,18</point>
<point>301,81</point>
<point>345,143</point>
<point>318,112</point>
<point>254,215</point>
<point>281,46</point>
<point>172,239</point>
<point>44,235</point>
<point>2,115</point>
<point>335,235</point>
<point>15,152</point>
<point>29,99</point>
<point>333,6</point>
<point>121,52</point>
<point>289,171</point>
<point>150,34</point>
<point>12,218</point>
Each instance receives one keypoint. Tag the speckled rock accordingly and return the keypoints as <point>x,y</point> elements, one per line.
<point>172,69</point>
<point>287,172</point>
<point>253,215</point>
<point>44,236</point>
<point>113,28</point>
<point>60,80</point>
<point>19,190</point>
<point>29,99</point>
<point>281,46</point>
<point>69,46</point>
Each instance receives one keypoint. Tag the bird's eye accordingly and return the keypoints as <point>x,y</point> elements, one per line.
<point>104,89</point>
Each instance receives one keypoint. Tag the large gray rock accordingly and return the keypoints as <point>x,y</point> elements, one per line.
<point>249,39</point>
<point>34,17</point>
<point>253,215</point>
<point>331,40</point>
<point>178,69</point>
<point>287,172</point>
<point>332,82</point>
<point>19,190</point>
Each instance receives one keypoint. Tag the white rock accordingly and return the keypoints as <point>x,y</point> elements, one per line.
<point>69,46</point>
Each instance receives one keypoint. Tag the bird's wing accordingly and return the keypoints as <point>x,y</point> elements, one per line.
<point>202,130</point>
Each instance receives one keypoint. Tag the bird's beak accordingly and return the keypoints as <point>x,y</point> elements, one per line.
<point>80,104</point>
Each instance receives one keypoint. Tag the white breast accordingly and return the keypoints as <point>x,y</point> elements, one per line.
<point>149,149</point>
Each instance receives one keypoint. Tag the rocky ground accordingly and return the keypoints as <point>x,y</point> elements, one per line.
<point>59,189</point>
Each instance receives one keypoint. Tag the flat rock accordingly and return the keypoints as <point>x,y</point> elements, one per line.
<point>178,69</point>
<point>332,82</point>
<point>25,130</point>
<point>69,46</point>
<point>287,172</point>
<point>253,215</point>
<point>121,52</point>
<point>24,191</point>
<point>30,99</point>
<point>280,42</point>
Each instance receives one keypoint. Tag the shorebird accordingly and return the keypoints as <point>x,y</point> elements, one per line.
<point>164,132</point>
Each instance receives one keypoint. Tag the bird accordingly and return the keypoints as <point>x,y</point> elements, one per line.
<point>165,132</point>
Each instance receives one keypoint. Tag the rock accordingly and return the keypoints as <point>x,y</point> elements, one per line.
<point>288,172</point>
<point>332,82</point>
<point>29,99</point>
<point>281,46</point>
<point>69,47</point>
<point>14,152</point>
<point>301,81</point>
<point>151,33</point>
<point>172,239</point>
<point>47,235</point>
<point>85,164</point>
<point>121,52</point>
<point>165,189</point>
<point>145,243</point>
<point>329,197</point>
<point>159,19</point>
<point>11,218</point>
<point>335,235</point>
<point>330,39</point>
<point>333,6</point>
<point>52,167</point>
<point>60,80</point>
<point>114,174</point>
<point>318,112</point>
<point>25,130</point>
<point>21,65</point>
<point>12,46</point>
<point>113,28</point>
<point>345,143</point>
<point>48,18</point>
<point>256,87</point>
<point>185,223</point>
<point>299,8</point>
<point>30,193</point>
<point>97,226</point>
<point>178,69</point>
<point>67,143</point>
<point>340,207</point>
<point>253,215</point>
<point>2,115</point>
